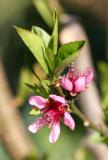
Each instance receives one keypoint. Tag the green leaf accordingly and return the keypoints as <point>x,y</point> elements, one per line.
<point>42,34</point>
<point>31,86</point>
<point>44,10</point>
<point>51,49</point>
<point>34,112</point>
<point>41,90</point>
<point>35,44</point>
<point>53,44</point>
<point>66,54</point>
<point>48,55</point>
<point>46,85</point>
<point>50,59</point>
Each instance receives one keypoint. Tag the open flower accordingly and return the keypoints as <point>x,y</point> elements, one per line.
<point>75,81</point>
<point>53,109</point>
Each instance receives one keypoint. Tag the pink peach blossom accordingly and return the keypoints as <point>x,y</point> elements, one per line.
<point>75,81</point>
<point>53,109</point>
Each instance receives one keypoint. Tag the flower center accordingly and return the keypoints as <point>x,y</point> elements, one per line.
<point>61,109</point>
<point>74,73</point>
<point>50,116</point>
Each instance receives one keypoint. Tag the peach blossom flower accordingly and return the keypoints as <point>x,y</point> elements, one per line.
<point>53,110</point>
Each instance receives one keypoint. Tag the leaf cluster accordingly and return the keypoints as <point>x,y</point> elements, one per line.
<point>51,58</point>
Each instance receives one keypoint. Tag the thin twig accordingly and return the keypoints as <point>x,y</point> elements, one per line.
<point>86,121</point>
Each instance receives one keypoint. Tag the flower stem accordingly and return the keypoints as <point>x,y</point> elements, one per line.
<point>86,121</point>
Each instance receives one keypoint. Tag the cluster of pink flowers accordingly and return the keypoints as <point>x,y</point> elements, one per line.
<point>75,81</point>
<point>55,108</point>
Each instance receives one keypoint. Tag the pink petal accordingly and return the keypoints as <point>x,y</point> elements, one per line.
<point>57,99</point>
<point>38,101</point>
<point>69,121</point>
<point>88,75</point>
<point>55,132</point>
<point>80,84</point>
<point>66,83</point>
<point>35,126</point>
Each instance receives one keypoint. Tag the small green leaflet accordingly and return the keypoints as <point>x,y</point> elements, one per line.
<point>31,86</point>
<point>35,44</point>
<point>52,47</point>
<point>66,54</point>
<point>50,42</point>
<point>48,55</point>
<point>34,112</point>
<point>42,6</point>
<point>46,85</point>
<point>53,44</point>
<point>42,34</point>
<point>50,59</point>
<point>41,90</point>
